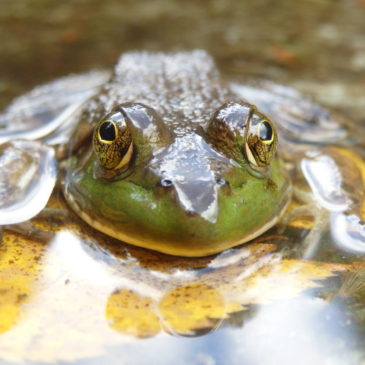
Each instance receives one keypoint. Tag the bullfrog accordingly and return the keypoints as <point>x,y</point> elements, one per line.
<point>161,153</point>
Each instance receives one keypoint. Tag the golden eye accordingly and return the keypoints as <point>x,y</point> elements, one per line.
<point>112,142</point>
<point>266,132</point>
<point>107,132</point>
<point>261,141</point>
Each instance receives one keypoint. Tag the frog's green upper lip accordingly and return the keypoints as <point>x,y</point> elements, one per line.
<point>193,168</point>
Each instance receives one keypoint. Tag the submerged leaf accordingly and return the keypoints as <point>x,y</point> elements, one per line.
<point>190,308</point>
<point>132,314</point>
<point>19,268</point>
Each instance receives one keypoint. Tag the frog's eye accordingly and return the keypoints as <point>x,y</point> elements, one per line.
<point>242,133</point>
<point>107,132</point>
<point>266,132</point>
<point>112,142</point>
<point>261,141</point>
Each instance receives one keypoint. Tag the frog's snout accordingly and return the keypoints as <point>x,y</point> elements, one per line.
<point>190,167</point>
<point>195,195</point>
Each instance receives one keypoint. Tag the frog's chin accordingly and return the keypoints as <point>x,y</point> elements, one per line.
<point>194,248</point>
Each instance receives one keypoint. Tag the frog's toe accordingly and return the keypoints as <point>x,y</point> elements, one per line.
<point>28,175</point>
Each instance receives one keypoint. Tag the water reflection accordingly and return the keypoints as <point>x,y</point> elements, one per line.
<point>301,331</point>
<point>92,300</point>
<point>305,330</point>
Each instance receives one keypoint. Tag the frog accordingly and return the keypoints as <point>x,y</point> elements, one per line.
<point>163,153</point>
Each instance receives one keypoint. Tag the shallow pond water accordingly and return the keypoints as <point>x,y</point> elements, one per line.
<point>72,295</point>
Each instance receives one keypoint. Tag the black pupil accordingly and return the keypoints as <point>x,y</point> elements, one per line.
<point>107,131</point>
<point>265,131</point>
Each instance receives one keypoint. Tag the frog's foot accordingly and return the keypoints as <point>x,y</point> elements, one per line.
<point>36,229</point>
<point>54,213</point>
<point>320,221</point>
<point>28,167</point>
<point>52,219</point>
<point>28,175</point>
<point>48,112</point>
<point>337,180</point>
<point>27,229</point>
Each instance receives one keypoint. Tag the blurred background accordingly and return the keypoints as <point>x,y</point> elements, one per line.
<point>317,46</point>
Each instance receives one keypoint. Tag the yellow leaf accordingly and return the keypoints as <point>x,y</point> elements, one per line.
<point>132,314</point>
<point>191,307</point>
<point>19,266</point>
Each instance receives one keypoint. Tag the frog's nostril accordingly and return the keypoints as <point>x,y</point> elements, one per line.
<point>166,183</point>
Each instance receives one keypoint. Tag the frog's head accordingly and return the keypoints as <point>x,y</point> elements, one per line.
<point>182,193</point>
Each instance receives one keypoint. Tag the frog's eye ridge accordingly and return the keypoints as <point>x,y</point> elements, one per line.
<point>112,142</point>
<point>108,131</point>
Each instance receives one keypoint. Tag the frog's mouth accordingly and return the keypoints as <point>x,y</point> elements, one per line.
<point>192,168</point>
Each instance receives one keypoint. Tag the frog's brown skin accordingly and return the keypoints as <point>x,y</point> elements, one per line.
<point>180,190</point>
